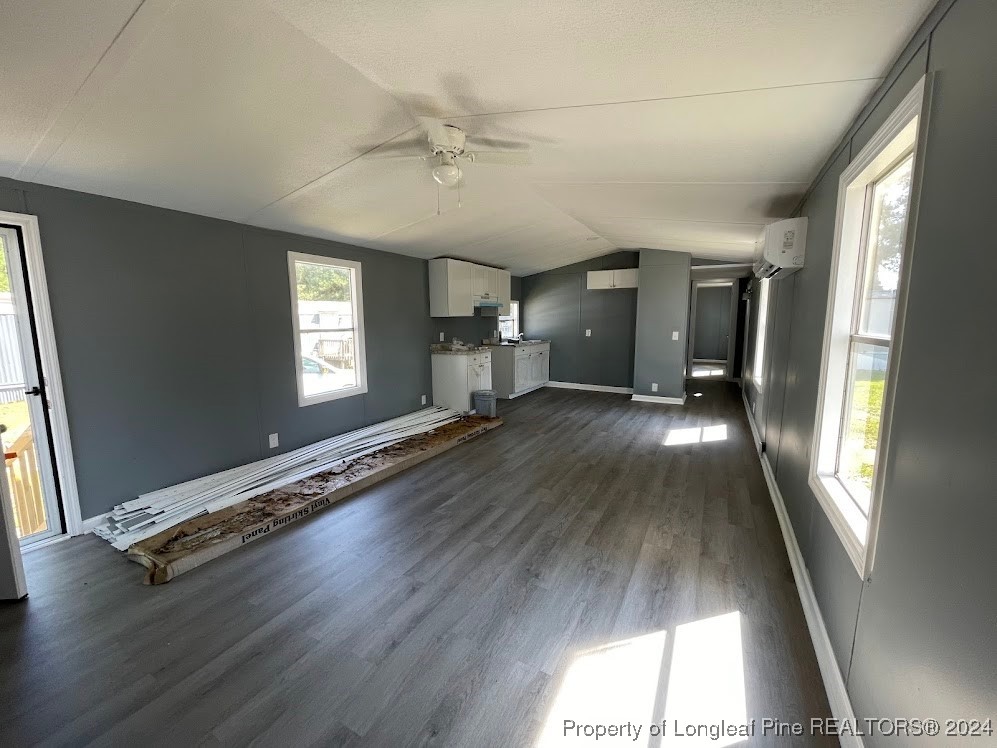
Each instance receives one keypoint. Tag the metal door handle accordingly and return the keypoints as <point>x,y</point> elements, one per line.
<point>33,391</point>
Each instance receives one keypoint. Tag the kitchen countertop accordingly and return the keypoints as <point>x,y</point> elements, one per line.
<point>446,350</point>
<point>518,345</point>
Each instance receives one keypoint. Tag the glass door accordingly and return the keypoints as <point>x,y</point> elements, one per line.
<point>28,464</point>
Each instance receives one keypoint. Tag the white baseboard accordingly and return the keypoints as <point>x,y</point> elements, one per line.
<point>834,683</point>
<point>523,392</point>
<point>39,544</point>
<point>659,399</point>
<point>591,387</point>
<point>90,524</point>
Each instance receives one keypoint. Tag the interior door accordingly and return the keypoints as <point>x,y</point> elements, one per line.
<point>712,332</point>
<point>29,468</point>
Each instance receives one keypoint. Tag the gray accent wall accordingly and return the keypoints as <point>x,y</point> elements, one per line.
<point>556,305</point>
<point>174,339</point>
<point>662,307</point>
<point>918,638</point>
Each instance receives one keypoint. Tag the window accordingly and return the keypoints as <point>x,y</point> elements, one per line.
<point>509,325</point>
<point>327,314</point>
<point>864,318</point>
<point>761,324</point>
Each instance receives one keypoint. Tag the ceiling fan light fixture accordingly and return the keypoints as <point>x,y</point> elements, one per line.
<point>447,174</point>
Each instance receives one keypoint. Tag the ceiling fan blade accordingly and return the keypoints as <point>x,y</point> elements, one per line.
<point>505,158</point>
<point>498,143</point>
<point>377,156</point>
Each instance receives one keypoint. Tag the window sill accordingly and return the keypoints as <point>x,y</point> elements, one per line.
<point>844,516</point>
<point>329,396</point>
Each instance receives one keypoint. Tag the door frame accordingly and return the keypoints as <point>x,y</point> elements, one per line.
<point>731,326</point>
<point>27,226</point>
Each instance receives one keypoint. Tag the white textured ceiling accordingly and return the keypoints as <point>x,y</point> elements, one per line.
<point>672,124</point>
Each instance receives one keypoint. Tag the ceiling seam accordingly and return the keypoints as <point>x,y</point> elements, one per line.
<point>319,178</point>
<point>661,98</point>
<point>72,98</point>
<point>617,181</point>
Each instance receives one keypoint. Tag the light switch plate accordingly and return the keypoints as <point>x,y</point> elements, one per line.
<point>443,336</point>
<point>675,334</point>
<point>654,386</point>
<point>588,333</point>
<point>423,399</point>
<point>274,441</point>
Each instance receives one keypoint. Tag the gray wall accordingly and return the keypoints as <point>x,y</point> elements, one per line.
<point>557,306</point>
<point>919,638</point>
<point>174,338</point>
<point>662,307</point>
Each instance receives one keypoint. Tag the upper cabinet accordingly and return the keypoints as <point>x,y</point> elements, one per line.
<point>625,278</point>
<point>456,287</point>
<point>450,288</point>
<point>504,291</point>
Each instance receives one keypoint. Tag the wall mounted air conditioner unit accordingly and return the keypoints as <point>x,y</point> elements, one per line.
<point>781,249</point>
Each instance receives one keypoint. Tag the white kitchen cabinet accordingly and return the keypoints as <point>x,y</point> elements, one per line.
<point>504,292</point>
<point>609,279</point>
<point>522,367</point>
<point>480,278</point>
<point>457,375</point>
<point>457,287</point>
<point>450,288</point>
<point>626,278</point>
<point>518,369</point>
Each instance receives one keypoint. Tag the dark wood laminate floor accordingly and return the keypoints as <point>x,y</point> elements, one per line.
<point>567,562</point>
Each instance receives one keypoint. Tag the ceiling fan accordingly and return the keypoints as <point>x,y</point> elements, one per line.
<point>447,149</point>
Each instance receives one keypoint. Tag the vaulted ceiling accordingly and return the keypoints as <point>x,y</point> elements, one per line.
<point>666,124</point>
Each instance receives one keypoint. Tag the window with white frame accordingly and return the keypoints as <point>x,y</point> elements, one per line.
<point>327,316</point>
<point>761,325</point>
<point>863,316</point>
<point>509,324</point>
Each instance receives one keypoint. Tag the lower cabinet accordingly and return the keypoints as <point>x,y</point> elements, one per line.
<point>519,369</point>
<point>457,375</point>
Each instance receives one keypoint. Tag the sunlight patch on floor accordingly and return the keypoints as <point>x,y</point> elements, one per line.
<point>706,680</point>
<point>696,435</point>
<point>614,684</point>
<point>652,691</point>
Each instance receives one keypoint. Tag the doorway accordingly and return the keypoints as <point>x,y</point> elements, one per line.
<point>710,342</point>
<point>31,405</point>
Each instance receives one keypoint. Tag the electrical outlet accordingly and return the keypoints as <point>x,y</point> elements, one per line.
<point>274,441</point>
<point>654,386</point>
<point>675,334</point>
<point>443,336</point>
<point>423,399</point>
<point>588,333</point>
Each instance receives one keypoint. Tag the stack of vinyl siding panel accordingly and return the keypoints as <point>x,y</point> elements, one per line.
<point>151,513</point>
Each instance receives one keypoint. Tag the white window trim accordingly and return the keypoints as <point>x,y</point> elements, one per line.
<point>513,304</point>
<point>858,534</point>
<point>761,332</point>
<point>360,344</point>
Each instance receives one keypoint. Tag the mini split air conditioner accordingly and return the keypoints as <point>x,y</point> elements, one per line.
<point>781,248</point>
